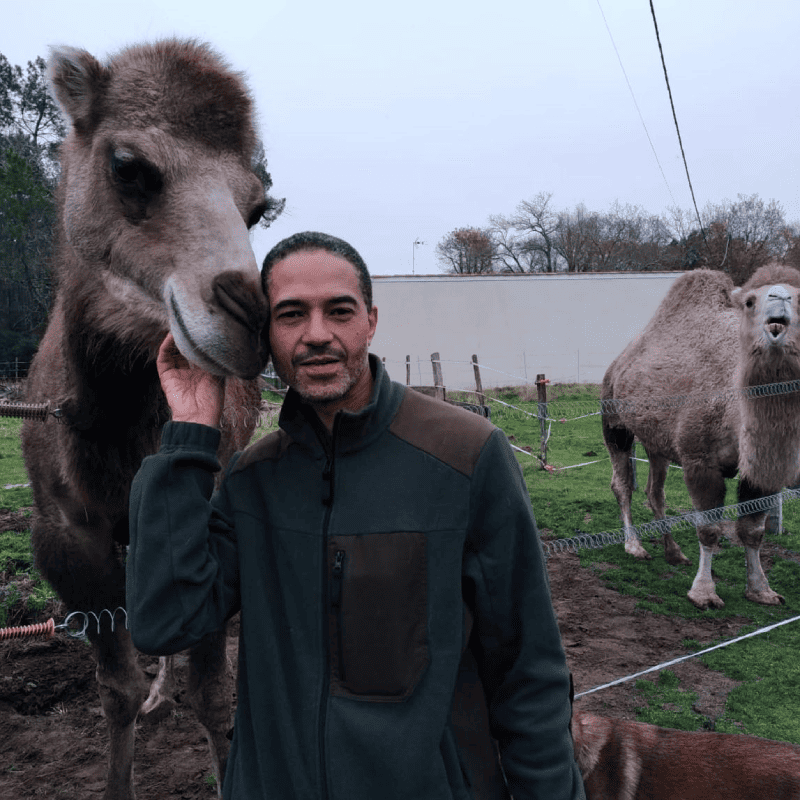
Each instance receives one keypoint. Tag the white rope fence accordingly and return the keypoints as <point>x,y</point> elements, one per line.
<point>691,655</point>
<point>629,405</point>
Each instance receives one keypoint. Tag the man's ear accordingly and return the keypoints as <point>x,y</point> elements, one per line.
<point>373,322</point>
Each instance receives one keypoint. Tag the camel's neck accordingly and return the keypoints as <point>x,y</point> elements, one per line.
<point>110,378</point>
<point>770,423</point>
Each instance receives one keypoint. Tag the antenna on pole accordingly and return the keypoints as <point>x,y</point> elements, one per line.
<point>414,252</point>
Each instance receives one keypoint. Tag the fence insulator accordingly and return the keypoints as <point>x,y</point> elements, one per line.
<point>46,629</point>
<point>38,411</point>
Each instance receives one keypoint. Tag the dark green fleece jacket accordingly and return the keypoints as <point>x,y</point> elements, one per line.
<point>363,562</point>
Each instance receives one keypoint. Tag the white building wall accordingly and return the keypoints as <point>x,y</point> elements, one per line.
<point>569,327</point>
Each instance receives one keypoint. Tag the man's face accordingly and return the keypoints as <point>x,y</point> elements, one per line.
<point>320,328</point>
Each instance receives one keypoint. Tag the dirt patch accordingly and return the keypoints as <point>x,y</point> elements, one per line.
<point>53,735</point>
<point>14,520</point>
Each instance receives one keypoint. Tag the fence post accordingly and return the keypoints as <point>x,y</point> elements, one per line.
<point>478,384</point>
<point>774,521</point>
<point>541,391</point>
<point>633,464</point>
<point>437,370</point>
<point>408,370</point>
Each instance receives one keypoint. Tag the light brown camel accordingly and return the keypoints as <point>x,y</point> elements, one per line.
<point>624,760</point>
<point>706,338</point>
<point>155,200</point>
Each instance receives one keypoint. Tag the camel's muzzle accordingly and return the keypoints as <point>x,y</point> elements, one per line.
<point>776,329</point>
<point>778,313</point>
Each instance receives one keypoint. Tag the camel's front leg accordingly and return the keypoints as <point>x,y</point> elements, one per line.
<point>758,588</point>
<point>750,531</point>
<point>211,697</point>
<point>703,593</point>
<point>123,688</point>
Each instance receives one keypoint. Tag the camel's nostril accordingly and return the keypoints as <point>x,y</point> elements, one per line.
<point>242,299</point>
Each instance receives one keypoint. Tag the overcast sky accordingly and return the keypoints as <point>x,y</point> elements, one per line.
<point>387,124</point>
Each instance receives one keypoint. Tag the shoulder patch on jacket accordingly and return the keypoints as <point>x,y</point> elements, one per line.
<point>451,434</point>
<point>268,448</point>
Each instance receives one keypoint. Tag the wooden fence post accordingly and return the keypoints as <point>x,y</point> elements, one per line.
<point>408,370</point>
<point>437,370</point>
<point>478,385</point>
<point>541,391</point>
<point>633,464</point>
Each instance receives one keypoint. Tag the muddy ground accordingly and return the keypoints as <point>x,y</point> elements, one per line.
<point>53,740</point>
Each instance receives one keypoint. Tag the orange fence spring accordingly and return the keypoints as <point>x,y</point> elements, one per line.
<point>47,629</point>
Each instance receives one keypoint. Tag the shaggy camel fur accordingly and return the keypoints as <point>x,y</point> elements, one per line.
<point>707,338</point>
<point>155,200</point>
<point>623,760</point>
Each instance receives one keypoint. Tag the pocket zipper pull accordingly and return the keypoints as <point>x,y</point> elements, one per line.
<point>338,570</point>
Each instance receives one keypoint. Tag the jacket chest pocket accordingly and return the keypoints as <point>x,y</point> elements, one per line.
<point>377,617</point>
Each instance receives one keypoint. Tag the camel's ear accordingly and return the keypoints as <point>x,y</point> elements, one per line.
<point>736,295</point>
<point>77,81</point>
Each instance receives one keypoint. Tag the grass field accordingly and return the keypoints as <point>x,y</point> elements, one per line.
<point>569,501</point>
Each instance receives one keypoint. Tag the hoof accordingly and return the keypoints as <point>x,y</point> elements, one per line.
<point>766,598</point>
<point>156,710</point>
<point>677,558</point>
<point>704,601</point>
<point>637,551</point>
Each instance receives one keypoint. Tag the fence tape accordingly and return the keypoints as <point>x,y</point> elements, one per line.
<point>691,655</point>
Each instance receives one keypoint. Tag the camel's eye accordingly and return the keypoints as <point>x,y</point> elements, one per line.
<point>256,214</point>
<point>137,179</point>
<point>750,302</point>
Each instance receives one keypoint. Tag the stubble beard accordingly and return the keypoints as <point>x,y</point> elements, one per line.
<point>326,392</point>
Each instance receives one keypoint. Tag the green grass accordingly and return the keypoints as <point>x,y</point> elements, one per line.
<point>12,468</point>
<point>665,703</point>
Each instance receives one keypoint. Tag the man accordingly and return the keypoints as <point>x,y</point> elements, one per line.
<point>367,543</point>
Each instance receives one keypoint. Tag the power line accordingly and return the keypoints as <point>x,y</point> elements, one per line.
<point>675,117</point>
<point>633,96</point>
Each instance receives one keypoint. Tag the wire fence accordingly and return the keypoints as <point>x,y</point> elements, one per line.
<point>13,370</point>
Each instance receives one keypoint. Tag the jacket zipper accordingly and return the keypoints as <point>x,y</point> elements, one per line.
<point>327,499</point>
<point>336,602</point>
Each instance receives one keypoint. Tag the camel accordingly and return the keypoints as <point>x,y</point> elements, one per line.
<point>154,204</point>
<point>706,342</point>
<point>624,760</point>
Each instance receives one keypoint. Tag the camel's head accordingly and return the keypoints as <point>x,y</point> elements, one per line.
<point>769,311</point>
<point>157,195</point>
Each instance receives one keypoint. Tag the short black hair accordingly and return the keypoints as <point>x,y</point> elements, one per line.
<point>313,240</point>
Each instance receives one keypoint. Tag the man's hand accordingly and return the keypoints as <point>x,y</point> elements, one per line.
<point>193,394</point>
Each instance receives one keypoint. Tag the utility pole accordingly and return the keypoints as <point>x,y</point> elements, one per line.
<point>414,252</point>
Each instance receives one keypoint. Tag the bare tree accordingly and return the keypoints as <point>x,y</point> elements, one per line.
<point>37,115</point>
<point>742,235</point>
<point>535,224</point>
<point>467,251</point>
<point>574,233</point>
<point>511,253</point>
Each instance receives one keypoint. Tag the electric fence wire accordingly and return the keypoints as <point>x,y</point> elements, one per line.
<point>635,103</point>
<point>629,405</point>
<point>675,117</point>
